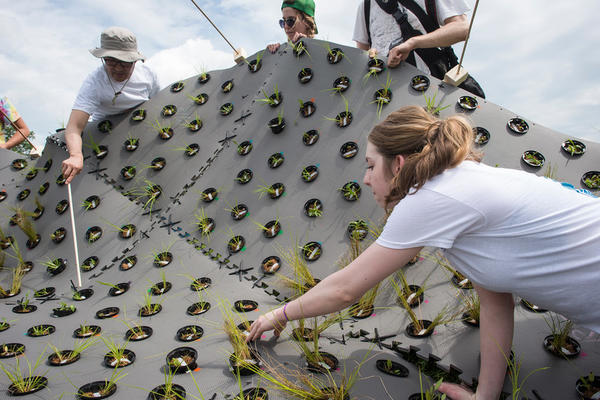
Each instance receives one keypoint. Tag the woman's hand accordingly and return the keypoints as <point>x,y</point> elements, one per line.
<point>274,320</point>
<point>456,392</point>
<point>273,47</point>
<point>297,36</point>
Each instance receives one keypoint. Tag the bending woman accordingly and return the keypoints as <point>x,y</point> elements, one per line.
<point>510,232</point>
<point>298,21</point>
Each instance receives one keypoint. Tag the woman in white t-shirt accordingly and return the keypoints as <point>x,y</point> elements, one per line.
<point>298,21</point>
<point>509,231</point>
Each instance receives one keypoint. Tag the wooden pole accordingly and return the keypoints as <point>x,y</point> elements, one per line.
<point>74,235</point>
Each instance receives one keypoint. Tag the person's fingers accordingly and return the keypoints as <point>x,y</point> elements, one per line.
<point>456,392</point>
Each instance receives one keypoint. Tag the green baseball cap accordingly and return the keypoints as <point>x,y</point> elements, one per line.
<point>306,6</point>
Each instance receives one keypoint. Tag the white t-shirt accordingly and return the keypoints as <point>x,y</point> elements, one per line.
<point>511,232</point>
<point>96,94</point>
<point>384,28</point>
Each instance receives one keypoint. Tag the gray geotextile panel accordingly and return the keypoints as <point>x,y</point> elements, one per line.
<point>171,226</point>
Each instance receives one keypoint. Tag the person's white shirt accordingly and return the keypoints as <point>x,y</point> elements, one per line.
<point>384,28</point>
<point>96,94</point>
<point>509,231</point>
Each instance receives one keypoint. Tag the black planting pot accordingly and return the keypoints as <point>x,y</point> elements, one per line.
<point>163,259</point>
<point>59,235</point>
<point>310,173</point>
<point>138,333</point>
<point>468,103</point>
<point>177,87</point>
<point>573,147</point>
<point>307,109</point>
<point>584,393</point>
<point>420,83</point>
<point>343,119</point>
<point>120,288</point>
<point>125,360</point>
<point>203,78</point>
<point>532,307</point>
<point>277,125</point>
<point>329,363</point>
<point>201,284</point>
<point>198,308</point>
<point>351,191</point>
<point>63,357</point>
<point>376,66</point>
<point>335,55</point>
<point>148,311</point>
<point>463,283</point>
<point>8,350</point>
<point>518,126</point>
<point>359,313</point>
<point>62,312</point>
<point>160,288</point>
<point>271,264</point>
<point>24,309</point>
<point>392,368</point>
<point>90,263</point>
<point>128,263</point>
<point>162,392</point>
<point>278,189</point>
<point>138,115</point>
<point>45,292</point>
<point>107,312</point>
<point>38,383</point>
<point>32,244</point>
<point>105,126</point>
<point>101,152</point>
<point>275,160</point>
<point>312,251</point>
<point>310,137</point>
<point>190,333</point>
<point>91,331</point>
<point>93,234</point>
<point>305,335</point>
<point>169,110</point>
<point>41,330</point>
<point>349,150</point>
<point>244,148</point>
<point>62,264</point>
<point>244,176</point>
<point>410,330</point>
<point>572,350</point>
<point>305,75</point>
<point>182,359</point>
<point>239,212</point>
<point>83,294</point>
<point>61,207</point>
<point>253,394</point>
<point>482,135</point>
<point>236,244</point>
<point>273,228</point>
<point>237,366</point>
<point>96,390</point>
<point>245,305</point>
<point>470,321</point>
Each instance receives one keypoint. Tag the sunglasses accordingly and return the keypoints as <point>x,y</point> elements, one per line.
<point>113,62</point>
<point>289,21</point>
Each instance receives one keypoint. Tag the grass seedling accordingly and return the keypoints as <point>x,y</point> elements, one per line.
<point>163,131</point>
<point>271,231</point>
<point>168,390</point>
<point>124,230</point>
<point>19,271</point>
<point>226,109</point>
<point>314,209</point>
<point>112,285</point>
<point>62,306</point>
<point>114,350</point>
<point>148,306</point>
<point>265,189</point>
<point>91,144</point>
<point>22,220</point>
<point>514,369</point>
<point>208,196</point>
<point>116,376</point>
<point>79,347</point>
<point>234,240</point>
<point>40,330</point>
<point>87,204</point>
<point>366,302</point>
<point>551,171</point>
<point>559,329</point>
<point>236,337</point>
<point>157,255</point>
<point>430,393</point>
<point>272,100</point>
<point>302,279</point>
<point>256,62</point>
<point>431,106</point>
<point>404,289</point>
<point>383,95</point>
<point>334,54</point>
<point>25,382</point>
<point>470,305</point>
<point>145,194</point>
<point>299,48</point>
<point>442,317</point>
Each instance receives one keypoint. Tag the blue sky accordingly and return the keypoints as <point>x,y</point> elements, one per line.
<point>536,58</point>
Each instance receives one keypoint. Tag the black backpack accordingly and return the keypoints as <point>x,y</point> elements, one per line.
<point>438,60</point>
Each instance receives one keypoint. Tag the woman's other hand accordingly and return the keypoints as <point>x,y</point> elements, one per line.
<point>274,320</point>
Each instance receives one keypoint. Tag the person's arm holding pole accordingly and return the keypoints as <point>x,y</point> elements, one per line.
<point>74,164</point>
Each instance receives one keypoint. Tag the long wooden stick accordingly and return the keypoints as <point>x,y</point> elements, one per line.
<point>467,39</point>
<point>74,235</point>
<point>17,129</point>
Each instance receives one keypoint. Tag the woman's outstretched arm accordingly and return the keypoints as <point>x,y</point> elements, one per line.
<point>338,290</point>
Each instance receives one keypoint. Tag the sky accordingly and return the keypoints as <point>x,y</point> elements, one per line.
<point>537,58</point>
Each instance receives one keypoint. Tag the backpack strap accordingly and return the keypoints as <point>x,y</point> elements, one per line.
<point>430,24</point>
<point>431,8</point>
<point>367,12</point>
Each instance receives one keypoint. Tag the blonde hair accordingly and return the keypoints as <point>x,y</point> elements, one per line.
<point>429,146</point>
<point>310,24</point>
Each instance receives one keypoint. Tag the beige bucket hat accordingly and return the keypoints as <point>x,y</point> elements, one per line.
<point>119,43</point>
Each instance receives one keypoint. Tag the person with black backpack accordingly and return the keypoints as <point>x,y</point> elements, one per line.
<point>419,32</point>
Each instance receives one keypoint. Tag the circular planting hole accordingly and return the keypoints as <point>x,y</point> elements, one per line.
<point>107,312</point>
<point>461,282</point>
<point>43,188</point>
<point>149,310</point>
<point>177,87</point>
<point>277,124</point>
<point>358,230</point>
<point>310,173</point>
<point>158,163</point>
<point>200,284</point>
<point>41,330</point>
<point>37,213</point>
<point>7,242</point>
<point>203,78</point>
<point>335,55</point>
<point>271,264</point>
<point>190,333</point>
<point>138,115</point>
<point>28,385</point>
<point>63,310</point>
<point>382,97</point>
<point>468,103</point>
<point>276,190</point>
<point>305,75</point>
<point>239,212</point>
<point>271,229</point>
<point>31,174</point>
<point>86,331</point>
<point>23,194</point>
<point>166,133</point>
<point>172,391</point>
<point>358,312</point>
<point>309,138</point>
<point>19,164</point>
<point>518,125</point>
<point>591,180</point>
<point>566,347</point>
<point>44,292</point>
<point>127,231</point>
<point>32,243</point>
<point>128,263</point>
<point>226,109</point>
<point>420,83</point>
<point>311,251</point>
<point>91,203</point>
<point>192,149</point>
<point>236,244</point>
<point>209,195</point>
<point>163,259</point>
<point>128,172</point>
<point>341,84</point>
<point>93,234</point>
<point>169,110</point>
<point>482,135</point>
<point>253,394</point>
<point>63,357</point>
<point>413,296</point>
<point>244,176</point>
<point>160,288</point>
<point>244,148</point>
<point>573,147</point>
<point>47,165</point>
<point>242,367</point>
<point>419,331</point>
<point>82,294</point>
<point>245,305</point>
<point>313,208</point>
<point>56,266</point>
<point>299,48</point>
<point>61,207</point>
<point>351,191</point>
<point>254,65</point>
<point>131,144</point>
<point>182,359</point>
<point>105,126</point>
<point>375,66</point>
<point>275,99</point>
<point>100,152</point>
<point>391,367</point>
<point>533,158</point>
<point>349,150</point>
<point>96,390</point>
<point>532,307</point>
<point>118,289</point>
<point>124,358</point>
<point>22,308</point>
<point>343,119</point>
<point>8,350</point>
<point>194,125</point>
<point>322,362</point>
<point>227,86</point>
<point>206,226</point>
<point>275,160</point>
<point>307,108</point>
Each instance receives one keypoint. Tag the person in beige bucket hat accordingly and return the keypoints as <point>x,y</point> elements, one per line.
<point>117,86</point>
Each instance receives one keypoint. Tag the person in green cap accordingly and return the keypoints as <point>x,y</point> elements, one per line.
<point>298,21</point>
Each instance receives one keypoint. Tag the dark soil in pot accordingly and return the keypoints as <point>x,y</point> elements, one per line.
<point>107,312</point>
<point>277,190</point>
<point>138,333</point>
<point>182,359</point>
<point>349,150</point>
<point>415,332</point>
<point>128,263</point>
<point>343,119</point>
<point>305,75</point>
<point>532,307</point>
<point>32,244</point>
<point>127,231</point>
<point>244,176</point>
<point>311,251</point>
<point>227,86</point>
<point>101,152</point>
<point>42,190</point>
<point>361,313</point>
<point>63,312</point>
<point>304,335</point>
<point>82,294</point>
<point>341,84</point>
<point>149,310</point>
<point>335,55</point>
<point>128,172</point>
<point>573,147</point>
<point>201,284</point>
<point>190,333</point>
<point>131,144</point>
<point>169,110</point>
<point>124,360</point>
<point>23,194</point>
<point>591,180</point>
<point>45,292</point>
<point>375,66</point>
<point>310,173</point>
<point>468,103</point>
<point>226,109</point>
<point>194,125</point>
<point>469,320</point>
<point>93,234</point>
<point>310,137</point>
<point>236,244</point>
<point>8,350</point>
<point>239,212</point>
<point>482,135</point>
<point>420,83</point>
<point>272,229</point>
<point>198,308</point>
<point>271,265</point>
<point>588,387</point>
<point>160,288</point>
<point>63,357</point>
<point>61,207</point>
<point>275,160</point>
<point>328,363</point>
<point>518,125</point>
<point>119,289</point>
<point>171,392</point>
<point>31,384</point>
<point>351,191</point>
<point>244,148</point>
<point>245,305</point>
<point>96,390</point>
<point>177,87</point>
<point>203,78</point>
<point>138,115</point>
<point>166,133</point>
<point>158,163</point>
<point>41,330</point>
<point>253,394</point>
<point>533,158</point>
<point>163,259</point>
<point>90,263</point>
<point>307,109</point>
<point>392,368</point>
<point>86,331</point>
<point>254,65</point>
<point>58,266</point>
<point>571,349</point>
<point>241,367</point>
<point>461,282</point>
